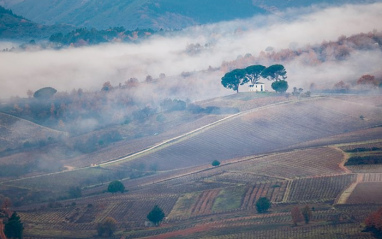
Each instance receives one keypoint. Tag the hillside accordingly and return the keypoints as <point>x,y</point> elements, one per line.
<point>16,133</point>
<point>13,26</point>
<point>290,150</point>
<point>257,129</point>
<point>155,14</point>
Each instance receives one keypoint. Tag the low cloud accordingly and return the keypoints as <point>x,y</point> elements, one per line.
<point>89,67</point>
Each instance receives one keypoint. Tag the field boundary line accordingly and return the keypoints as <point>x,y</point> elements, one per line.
<point>287,191</point>
<point>35,124</point>
<point>344,196</point>
<point>169,141</point>
<point>345,158</point>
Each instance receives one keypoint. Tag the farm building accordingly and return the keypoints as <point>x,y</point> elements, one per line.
<point>257,87</point>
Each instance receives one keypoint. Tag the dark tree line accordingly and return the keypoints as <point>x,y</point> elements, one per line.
<point>84,36</point>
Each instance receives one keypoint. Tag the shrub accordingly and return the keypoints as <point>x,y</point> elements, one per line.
<point>156,215</point>
<point>107,226</point>
<point>263,204</point>
<point>116,186</point>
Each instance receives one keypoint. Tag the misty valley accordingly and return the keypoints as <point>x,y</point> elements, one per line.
<point>192,119</point>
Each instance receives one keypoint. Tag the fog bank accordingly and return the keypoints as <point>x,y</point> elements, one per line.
<point>197,48</point>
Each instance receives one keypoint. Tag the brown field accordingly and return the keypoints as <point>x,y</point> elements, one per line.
<point>294,164</point>
<point>366,192</point>
<point>258,132</point>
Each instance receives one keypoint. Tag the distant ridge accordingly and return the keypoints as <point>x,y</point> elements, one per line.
<point>132,14</point>
<point>13,26</point>
<point>155,14</point>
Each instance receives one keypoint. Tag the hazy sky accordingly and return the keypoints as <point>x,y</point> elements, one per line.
<point>89,67</point>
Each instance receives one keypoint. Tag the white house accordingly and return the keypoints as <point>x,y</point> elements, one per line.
<point>257,87</point>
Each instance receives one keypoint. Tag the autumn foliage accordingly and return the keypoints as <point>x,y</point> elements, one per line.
<point>374,222</point>
<point>367,80</point>
<point>296,215</point>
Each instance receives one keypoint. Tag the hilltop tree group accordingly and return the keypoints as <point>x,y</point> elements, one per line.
<point>237,77</point>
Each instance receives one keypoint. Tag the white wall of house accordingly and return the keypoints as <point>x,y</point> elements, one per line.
<point>258,87</point>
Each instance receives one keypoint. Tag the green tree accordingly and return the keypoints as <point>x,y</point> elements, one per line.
<point>13,228</point>
<point>277,73</point>
<point>156,215</point>
<point>280,86</point>
<point>253,73</point>
<point>116,186</point>
<point>307,213</point>
<point>274,72</point>
<point>263,204</point>
<point>233,79</point>
<point>107,227</point>
<point>215,163</point>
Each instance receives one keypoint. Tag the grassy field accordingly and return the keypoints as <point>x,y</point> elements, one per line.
<point>228,199</point>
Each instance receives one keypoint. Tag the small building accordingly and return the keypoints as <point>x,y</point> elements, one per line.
<point>149,224</point>
<point>257,87</point>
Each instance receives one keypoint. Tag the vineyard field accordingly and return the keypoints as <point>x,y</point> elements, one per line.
<point>372,177</point>
<point>319,188</point>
